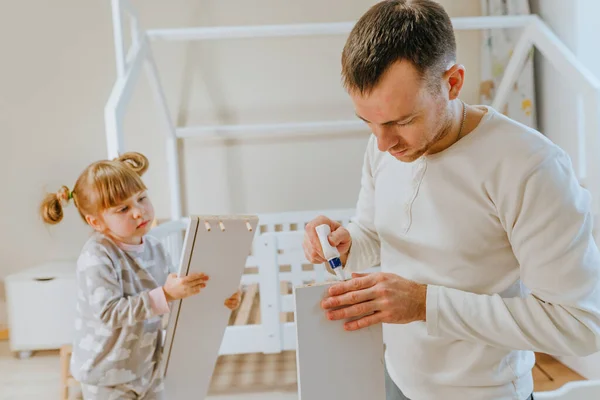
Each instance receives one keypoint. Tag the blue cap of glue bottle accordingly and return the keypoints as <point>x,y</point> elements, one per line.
<point>332,255</point>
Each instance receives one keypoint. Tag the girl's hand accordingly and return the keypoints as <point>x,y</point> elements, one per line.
<point>234,301</point>
<point>179,288</point>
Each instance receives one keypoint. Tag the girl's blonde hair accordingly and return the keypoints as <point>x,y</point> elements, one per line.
<point>102,185</point>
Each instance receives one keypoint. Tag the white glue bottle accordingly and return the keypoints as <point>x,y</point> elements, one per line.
<point>332,255</point>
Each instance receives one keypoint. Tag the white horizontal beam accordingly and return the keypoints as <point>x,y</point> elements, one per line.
<point>492,22</point>
<point>242,339</point>
<point>244,131</point>
<point>252,31</point>
<point>170,228</point>
<point>314,29</point>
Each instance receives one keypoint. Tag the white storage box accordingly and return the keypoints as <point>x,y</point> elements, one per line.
<point>41,307</point>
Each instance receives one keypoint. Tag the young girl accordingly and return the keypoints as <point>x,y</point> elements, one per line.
<point>123,280</point>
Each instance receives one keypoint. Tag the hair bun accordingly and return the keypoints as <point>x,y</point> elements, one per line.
<point>136,161</point>
<point>52,206</point>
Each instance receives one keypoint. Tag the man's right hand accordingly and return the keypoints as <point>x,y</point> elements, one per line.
<point>339,238</point>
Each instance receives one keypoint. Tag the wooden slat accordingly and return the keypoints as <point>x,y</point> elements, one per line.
<point>254,373</point>
<point>286,315</point>
<point>297,274</point>
<point>243,314</point>
<point>255,311</point>
<point>551,374</point>
<point>65,373</point>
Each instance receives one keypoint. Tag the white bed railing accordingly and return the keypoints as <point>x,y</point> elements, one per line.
<point>276,257</point>
<point>130,61</point>
<point>172,233</point>
<point>272,335</point>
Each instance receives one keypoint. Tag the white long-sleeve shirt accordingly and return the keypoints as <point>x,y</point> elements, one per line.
<point>500,230</point>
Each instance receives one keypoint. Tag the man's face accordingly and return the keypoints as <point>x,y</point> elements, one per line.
<point>405,116</point>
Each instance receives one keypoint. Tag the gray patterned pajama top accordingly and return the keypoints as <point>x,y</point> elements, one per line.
<point>118,328</point>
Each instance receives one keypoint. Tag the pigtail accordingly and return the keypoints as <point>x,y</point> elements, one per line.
<point>136,161</point>
<point>52,206</point>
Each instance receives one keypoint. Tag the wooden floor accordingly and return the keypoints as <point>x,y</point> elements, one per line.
<point>261,374</point>
<point>39,378</point>
<point>246,373</point>
<point>550,374</point>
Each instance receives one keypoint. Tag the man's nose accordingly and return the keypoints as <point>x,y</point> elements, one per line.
<point>386,139</point>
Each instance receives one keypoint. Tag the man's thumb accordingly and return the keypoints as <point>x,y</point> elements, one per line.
<point>336,237</point>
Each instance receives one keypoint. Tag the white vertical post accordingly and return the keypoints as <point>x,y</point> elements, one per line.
<point>174,178</point>
<point>135,30</point>
<point>114,110</point>
<point>580,163</point>
<point>319,272</point>
<point>297,273</point>
<point>513,69</point>
<point>270,298</point>
<point>118,37</point>
<point>592,146</point>
<point>133,20</point>
<point>171,140</point>
<point>114,133</point>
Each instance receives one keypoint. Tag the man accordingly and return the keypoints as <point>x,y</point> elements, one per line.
<point>482,231</point>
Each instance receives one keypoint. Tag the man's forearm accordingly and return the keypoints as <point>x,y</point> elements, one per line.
<point>515,323</point>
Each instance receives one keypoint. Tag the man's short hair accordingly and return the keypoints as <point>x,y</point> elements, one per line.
<point>418,31</point>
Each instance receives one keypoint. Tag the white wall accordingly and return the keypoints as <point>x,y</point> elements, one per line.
<point>58,68</point>
<point>56,72</point>
<point>277,79</point>
<point>558,107</point>
<point>554,91</point>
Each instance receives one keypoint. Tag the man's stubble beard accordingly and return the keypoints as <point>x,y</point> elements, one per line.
<point>442,133</point>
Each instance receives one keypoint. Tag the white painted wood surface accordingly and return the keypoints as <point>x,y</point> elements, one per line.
<point>197,324</point>
<point>579,390</point>
<point>334,363</point>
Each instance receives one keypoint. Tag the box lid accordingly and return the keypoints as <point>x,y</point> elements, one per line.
<point>46,271</point>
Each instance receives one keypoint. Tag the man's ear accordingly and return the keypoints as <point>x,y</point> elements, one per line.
<point>454,79</point>
<point>94,222</point>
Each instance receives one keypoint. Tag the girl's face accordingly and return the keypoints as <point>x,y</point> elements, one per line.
<point>127,222</point>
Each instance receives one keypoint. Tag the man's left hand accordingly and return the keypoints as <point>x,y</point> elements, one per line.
<point>383,296</point>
